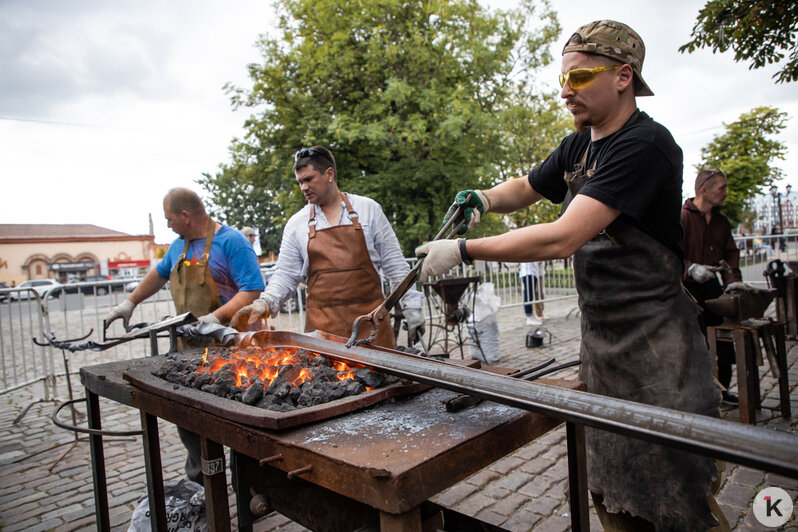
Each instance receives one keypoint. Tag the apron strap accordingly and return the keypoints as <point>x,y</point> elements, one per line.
<point>312,222</point>
<point>352,213</point>
<point>208,241</point>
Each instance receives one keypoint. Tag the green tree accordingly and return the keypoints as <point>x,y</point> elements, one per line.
<point>761,31</point>
<point>414,98</point>
<point>745,153</point>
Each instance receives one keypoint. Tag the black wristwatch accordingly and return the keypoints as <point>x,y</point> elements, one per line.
<point>464,254</point>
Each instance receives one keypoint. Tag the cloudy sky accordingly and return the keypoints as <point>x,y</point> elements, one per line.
<point>104,106</point>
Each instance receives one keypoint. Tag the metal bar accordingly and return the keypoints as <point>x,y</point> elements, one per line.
<point>152,465</point>
<point>774,451</point>
<point>217,509</point>
<point>98,463</point>
<point>577,477</point>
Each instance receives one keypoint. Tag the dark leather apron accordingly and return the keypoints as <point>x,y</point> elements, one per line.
<point>342,281</point>
<point>641,341</point>
<point>192,286</point>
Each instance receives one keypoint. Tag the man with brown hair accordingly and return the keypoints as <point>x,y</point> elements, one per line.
<point>707,242</point>
<point>619,177</point>
<point>335,244</point>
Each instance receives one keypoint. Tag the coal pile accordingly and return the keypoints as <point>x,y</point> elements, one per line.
<point>278,379</point>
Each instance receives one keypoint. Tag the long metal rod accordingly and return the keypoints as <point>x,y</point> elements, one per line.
<point>742,444</point>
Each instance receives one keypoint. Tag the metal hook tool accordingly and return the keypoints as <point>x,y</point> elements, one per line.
<point>376,316</point>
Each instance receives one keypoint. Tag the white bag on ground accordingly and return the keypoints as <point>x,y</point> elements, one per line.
<point>185,508</point>
<point>483,326</point>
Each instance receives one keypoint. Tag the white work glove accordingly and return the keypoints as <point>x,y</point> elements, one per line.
<point>700,273</point>
<point>209,318</point>
<point>439,257</point>
<point>123,310</point>
<point>253,312</point>
<point>415,323</point>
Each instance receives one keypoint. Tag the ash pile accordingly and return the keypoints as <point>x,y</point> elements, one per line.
<point>277,379</point>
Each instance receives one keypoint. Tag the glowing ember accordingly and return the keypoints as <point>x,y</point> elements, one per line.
<point>278,378</point>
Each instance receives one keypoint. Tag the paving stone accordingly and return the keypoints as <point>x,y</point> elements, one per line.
<point>514,480</point>
<point>510,504</point>
<point>736,496</point>
<point>536,487</point>
<point>483,477</point>
<point>505,465</point>
<point>474,503</point>
<point>554,523</point>
<point>535,466</point>
<point>748,477</point>
<point>544,506</point>
<point>455,494</point>
<point>521,521</point>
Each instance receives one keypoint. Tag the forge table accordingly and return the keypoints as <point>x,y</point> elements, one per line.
<point>380,463</point>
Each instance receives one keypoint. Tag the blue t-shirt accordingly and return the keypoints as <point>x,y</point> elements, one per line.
<point>234,265</point>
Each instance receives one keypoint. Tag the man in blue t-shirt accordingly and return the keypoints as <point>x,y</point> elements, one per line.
<point>231,268</point>
<point>212,272</point>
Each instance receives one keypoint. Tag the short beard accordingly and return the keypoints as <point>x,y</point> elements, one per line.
<point>580,125</point>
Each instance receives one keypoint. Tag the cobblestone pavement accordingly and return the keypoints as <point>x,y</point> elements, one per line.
<point>50,488</point>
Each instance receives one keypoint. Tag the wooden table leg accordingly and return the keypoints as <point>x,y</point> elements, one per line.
<point>98,463</point>
<point>746,367</point>
<point>781,358</point>
<point>409,521</point>
<point>577,477</point>
<point>217,509</point>
<point>152,465</point>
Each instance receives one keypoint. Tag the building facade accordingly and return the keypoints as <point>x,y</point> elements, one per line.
<point>61,251</point>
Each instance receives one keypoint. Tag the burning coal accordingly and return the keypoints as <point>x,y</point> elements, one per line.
<point>280,379</point>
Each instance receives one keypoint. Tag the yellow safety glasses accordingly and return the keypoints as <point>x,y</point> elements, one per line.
<point>580,78</point>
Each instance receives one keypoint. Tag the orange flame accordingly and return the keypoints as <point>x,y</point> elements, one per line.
<point>266,363</point>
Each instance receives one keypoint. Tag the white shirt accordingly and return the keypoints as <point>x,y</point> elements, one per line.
<point>381,242</point>
<point>530,268</point>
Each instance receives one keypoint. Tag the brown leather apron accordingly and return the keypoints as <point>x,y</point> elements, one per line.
<point>192,286</point>
<point>342,281</point>
<point>641,341</point>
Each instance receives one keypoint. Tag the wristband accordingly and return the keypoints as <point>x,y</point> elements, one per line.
<point>464,254</point>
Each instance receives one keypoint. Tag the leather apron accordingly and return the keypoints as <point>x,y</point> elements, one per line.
<point>641,341</point>
<point>342,281</point>
<point>192,286</point>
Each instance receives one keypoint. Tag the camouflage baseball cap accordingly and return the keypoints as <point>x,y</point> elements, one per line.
<point>615,40</point>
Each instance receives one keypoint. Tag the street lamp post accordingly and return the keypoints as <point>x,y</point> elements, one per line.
<point>774,192</point>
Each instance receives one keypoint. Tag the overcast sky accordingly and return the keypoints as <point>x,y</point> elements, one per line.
<point>104,106</point>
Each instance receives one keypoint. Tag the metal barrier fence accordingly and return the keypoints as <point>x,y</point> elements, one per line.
<point>75,310</point>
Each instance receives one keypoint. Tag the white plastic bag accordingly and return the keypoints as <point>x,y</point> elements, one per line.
<point>487,303</point>
<point>185,508</point>
<point>484,325</point>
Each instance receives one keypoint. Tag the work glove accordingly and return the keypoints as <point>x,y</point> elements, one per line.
<point>253,312</point>
<point>700,273</point>
<point>477,205</point>
<point>123,310</point>
<point>439,257</point>
<point>209,318</point>
<point>415,323</point>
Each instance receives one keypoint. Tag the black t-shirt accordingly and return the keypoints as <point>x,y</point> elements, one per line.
<point>638,172</point>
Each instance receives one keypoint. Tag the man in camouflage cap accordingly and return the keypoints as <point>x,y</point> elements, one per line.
<point>619,178</point>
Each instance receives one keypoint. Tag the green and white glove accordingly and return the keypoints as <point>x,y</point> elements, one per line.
<point>477,205</point>
<point>439,257</point>
<point>123,310</point>
<point>253,312</point>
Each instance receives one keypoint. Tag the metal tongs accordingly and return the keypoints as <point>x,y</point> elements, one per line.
<point>376,316</point>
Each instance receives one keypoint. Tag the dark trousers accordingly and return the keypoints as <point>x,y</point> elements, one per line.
<point>533,290</point>
<point>726,357</point>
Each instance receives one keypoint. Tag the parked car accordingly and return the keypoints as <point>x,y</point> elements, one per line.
<point>3,296</point>
<point>40,286</point>
<point>93,289</point>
